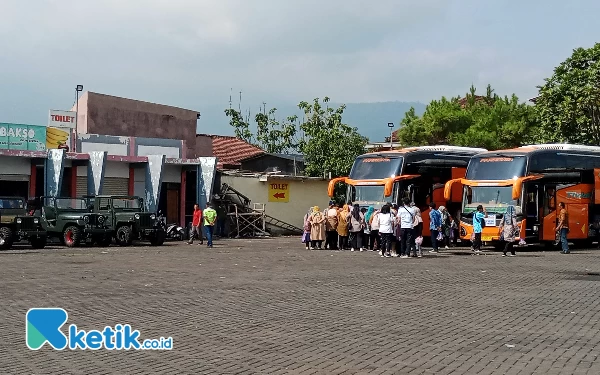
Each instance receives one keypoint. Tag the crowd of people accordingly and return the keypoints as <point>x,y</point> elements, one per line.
<point>395,230</point>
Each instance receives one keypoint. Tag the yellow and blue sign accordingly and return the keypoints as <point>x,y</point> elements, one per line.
<point>22,137</point>
<point>32,137</point>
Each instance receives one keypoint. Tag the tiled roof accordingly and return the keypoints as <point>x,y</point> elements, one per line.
<point>231,150</point>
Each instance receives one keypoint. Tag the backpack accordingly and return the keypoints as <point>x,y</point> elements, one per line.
<point>482,222</point>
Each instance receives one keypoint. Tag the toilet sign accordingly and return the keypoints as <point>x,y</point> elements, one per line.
<point>279,192</point>
<point>61,119</point>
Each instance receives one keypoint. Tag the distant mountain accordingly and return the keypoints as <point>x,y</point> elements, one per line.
<point>371,119</point>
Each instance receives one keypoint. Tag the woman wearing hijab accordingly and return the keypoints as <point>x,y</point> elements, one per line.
<point>357,222</point>
<point>317,229</point>
<point>373,222</point>
<point>508,227</point>
<point>418,229</point>
<point>445,226</point>
<point>342,227</point>
<point>306,235</point>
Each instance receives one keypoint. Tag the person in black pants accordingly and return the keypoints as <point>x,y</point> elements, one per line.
<point>406,216</point>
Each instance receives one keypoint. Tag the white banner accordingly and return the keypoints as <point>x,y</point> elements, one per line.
<point>61,119</point>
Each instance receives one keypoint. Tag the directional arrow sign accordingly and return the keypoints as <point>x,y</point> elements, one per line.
<point>279,192</point>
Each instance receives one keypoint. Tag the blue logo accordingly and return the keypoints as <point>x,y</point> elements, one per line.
<point>43,325</point>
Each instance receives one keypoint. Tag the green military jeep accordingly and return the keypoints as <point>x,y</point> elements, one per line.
<point>70,220</point>
<point>16,225</point>
<point>128,220</point>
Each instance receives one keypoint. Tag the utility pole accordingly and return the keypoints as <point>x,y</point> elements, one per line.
<point>391,126</point>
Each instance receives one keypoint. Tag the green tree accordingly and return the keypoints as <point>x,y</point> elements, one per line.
<point>271,135</point>
<point>328,145</point>
<point>569,102</point>
<point>487,121</point>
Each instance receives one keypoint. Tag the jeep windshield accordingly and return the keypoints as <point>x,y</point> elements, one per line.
<point>14,203</point>
<point>70,204</point>
<point>126,204</point>
<point>78,204</point>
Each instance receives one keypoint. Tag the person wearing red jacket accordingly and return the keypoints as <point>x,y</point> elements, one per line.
<point>196,221</point>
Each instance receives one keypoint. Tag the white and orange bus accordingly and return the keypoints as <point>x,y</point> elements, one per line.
<point>534,179</point>
<point>419,173</point>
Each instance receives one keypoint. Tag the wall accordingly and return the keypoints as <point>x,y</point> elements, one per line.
<point>303,194</point>
<point>10,165</point>
<point>203,145</point>
<point>263,162</point>
<point>111,115</point>
<point>131,146</point>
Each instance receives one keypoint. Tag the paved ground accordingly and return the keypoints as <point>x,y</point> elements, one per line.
<point>270,306</point>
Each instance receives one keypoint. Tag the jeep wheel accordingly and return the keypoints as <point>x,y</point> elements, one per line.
<point>38,243</point>
<point>72,236</point>
<point>6,238</point>
<point>158,238</point>
<point>123,236</point>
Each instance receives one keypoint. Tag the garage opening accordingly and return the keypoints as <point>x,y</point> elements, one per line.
<point>14,189</point>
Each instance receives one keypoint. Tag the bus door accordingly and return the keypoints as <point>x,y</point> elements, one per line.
<point>420,194</point>
<point>531,215</point>
<point>548,213</point>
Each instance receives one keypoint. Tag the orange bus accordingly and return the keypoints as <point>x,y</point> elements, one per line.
<point>533,179</point>
<point>419,173</point>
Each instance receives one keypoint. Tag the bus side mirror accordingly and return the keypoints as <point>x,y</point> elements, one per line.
<point>331,186</point>
<point>448,188</point>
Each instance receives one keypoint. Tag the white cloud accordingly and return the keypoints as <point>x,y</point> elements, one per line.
<point>185,52</point>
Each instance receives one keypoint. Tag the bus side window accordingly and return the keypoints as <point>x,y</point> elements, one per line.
<point>532,203</point>
<point>469,195</point>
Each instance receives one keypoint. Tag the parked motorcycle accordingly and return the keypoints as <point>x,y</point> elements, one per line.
<point>173,231</point>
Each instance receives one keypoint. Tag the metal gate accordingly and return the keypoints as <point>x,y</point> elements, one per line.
<point>115,186</point>
<point>81,186</point>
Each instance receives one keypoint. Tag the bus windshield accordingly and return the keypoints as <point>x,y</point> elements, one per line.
<point>496,168</point>
<point>367,193</point>
<point>376,167</point>
<point>495,199</point>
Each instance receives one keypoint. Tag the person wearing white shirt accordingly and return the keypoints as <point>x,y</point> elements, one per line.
<point>386,230</point>
<point>406,217</point>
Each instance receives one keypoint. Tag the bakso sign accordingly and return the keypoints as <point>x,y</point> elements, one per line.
<point>22,137</point>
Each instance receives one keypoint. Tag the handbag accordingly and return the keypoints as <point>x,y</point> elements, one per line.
<point>440,237</point>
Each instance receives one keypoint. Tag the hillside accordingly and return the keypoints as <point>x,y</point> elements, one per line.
<point>370,118</point>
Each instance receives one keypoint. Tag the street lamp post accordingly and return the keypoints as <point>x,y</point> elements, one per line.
<point>78,89</point>
<point>391,126</point>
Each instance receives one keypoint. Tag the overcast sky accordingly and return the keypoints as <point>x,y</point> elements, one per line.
<point>189,53</point>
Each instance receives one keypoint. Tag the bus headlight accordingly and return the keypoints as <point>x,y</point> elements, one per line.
<point>137,216</point>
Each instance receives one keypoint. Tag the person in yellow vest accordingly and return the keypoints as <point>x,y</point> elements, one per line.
<point>210,218</point>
